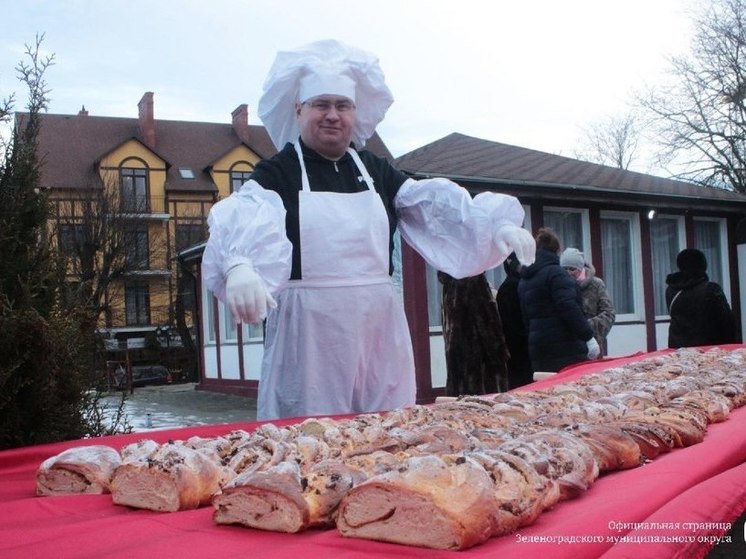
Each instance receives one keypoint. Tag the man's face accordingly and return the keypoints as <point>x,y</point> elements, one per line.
<point>326,124</point>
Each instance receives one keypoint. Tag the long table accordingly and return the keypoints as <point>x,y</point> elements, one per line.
<point>678,505</point>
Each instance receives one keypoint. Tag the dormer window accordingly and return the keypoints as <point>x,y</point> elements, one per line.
<point>134,197</point>
<point>186,173</point>
<point>238,178</point>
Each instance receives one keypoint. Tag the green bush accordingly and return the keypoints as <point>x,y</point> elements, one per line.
<point>40,390</point>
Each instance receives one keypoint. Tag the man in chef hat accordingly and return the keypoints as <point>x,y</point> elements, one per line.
<point>307,241</point>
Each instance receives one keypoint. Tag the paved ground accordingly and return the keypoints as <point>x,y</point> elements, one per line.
<point>180,405</point>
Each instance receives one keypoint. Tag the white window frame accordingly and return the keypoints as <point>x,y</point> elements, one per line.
<point>209,317</point>
<point>225,323</point>
<point>229,329</point>
<point>247,338</point>
<point>431,277</point>
<point>585,223</point>
<point>725,270</point>
<point>638,294</point>
<point>681,234</point>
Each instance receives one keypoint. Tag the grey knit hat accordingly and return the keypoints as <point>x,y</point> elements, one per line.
<point>572,258</point>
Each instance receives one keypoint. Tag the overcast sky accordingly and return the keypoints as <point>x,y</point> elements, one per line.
<point>531,73</point>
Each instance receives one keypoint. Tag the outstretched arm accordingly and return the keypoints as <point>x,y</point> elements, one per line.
<point>460,235</point>
<point>247,258</point>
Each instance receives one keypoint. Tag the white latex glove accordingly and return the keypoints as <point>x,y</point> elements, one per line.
<point>510,238</point>
<point>594,350</point>
<point>246,295</point>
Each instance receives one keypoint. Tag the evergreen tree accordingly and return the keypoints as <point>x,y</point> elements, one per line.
<point>46,349</point>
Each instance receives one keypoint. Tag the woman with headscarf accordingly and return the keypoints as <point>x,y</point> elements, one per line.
<point>700,313</point>
<point>308,240</point>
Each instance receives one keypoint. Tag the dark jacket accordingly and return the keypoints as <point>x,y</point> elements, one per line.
<point>700,313</point>
<point>520,372</point>
<point>553,312</point>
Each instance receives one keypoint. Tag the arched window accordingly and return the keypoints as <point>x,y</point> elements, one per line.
<point>239,174</point>
<point>134,190</point>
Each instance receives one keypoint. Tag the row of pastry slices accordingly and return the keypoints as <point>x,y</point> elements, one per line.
<point>510,456</point>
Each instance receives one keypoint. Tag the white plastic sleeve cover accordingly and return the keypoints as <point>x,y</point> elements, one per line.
<point>247,227</point>
<point>451,231</point>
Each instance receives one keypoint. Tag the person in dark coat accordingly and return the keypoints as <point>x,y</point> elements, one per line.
<point>475,348</point>
<point>700,313</point>
<point>558,332</point>
<point>520,371</point>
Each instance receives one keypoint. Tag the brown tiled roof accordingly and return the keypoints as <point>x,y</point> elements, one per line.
<point>468,159</point>
<point>72,145</point>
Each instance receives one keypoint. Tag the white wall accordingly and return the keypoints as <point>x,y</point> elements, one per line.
<point>627,339</point>
<point>229,369</point>
<point>211,362</point>
<point>252,360</point>
<point>661,334</point>
<point>438,369</point>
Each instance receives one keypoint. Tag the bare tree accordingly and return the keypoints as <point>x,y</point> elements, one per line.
<point>613,141</point>
<point>104,239</point>
<point>700,117</point>
<point>190,230</point>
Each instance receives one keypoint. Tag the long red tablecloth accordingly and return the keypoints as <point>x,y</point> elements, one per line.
<point>675,506</point>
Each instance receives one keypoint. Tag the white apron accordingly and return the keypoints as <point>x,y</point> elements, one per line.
<point>338,341</point>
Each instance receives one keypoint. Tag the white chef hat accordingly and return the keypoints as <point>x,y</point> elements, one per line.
<point>324,67</point>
